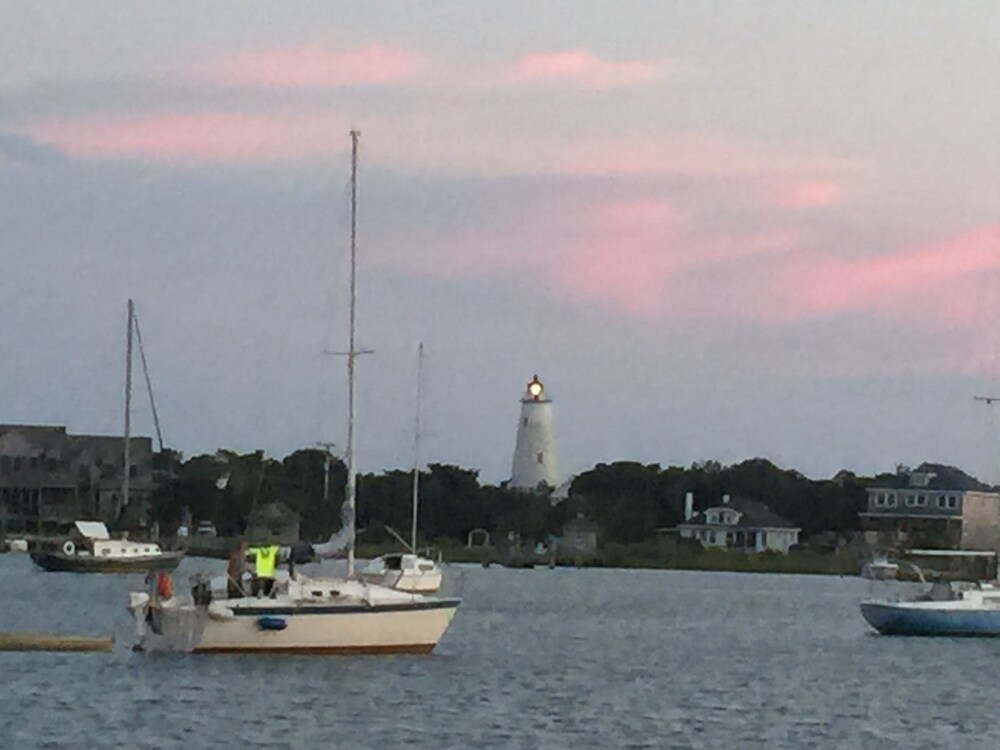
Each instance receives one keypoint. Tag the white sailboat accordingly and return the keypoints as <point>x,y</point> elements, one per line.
<point>409,571</point>
<point>305,614</point>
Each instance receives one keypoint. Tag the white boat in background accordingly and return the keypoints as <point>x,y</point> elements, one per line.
<point>880,569</point>
<point>303,614</point>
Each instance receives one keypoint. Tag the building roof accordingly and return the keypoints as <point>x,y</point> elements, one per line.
<point>930,476</point>
<point>754,514</point>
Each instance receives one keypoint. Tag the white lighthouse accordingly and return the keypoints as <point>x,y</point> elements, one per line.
<point>535,450</point>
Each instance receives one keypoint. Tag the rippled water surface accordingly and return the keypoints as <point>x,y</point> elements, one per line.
<point>534,659</point>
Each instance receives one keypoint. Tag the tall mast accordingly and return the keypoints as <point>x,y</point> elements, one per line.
<point>149,383</point>
<point>416,452</point>
<point>128,405</point>
<point>351,488</point>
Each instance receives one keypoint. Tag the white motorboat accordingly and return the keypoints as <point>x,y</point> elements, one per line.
<point>303,614</point>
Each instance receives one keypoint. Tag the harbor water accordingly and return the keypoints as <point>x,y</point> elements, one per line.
<point>534,659</point>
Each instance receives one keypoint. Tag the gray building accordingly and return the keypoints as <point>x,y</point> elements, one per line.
<point>931,507</point>
<point>50,478</point>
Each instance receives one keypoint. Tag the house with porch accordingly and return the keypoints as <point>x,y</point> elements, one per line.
<point>740,524</point>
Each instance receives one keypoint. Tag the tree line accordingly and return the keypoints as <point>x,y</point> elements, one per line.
<point>627,500</point>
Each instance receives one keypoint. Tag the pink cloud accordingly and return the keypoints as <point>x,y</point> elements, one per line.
<point>584,69</point>
<point>210,137</point>
<point>909,283</point>
<point>624,258</point>
<point>312,66</point>
<point>650,260</point>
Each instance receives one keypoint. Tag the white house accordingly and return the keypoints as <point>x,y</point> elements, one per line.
<point>739,524</point>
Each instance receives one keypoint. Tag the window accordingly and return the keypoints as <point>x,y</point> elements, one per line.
<point>921,500</point>
<point>541,456</point>
<point>942,501</point>
<point>952,501</point>
<point>525,423</point>
<point>890,500</point>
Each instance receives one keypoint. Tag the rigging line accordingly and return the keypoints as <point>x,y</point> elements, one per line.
<point>149,384</point>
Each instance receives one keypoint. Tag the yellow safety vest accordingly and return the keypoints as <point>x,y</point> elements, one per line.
<point>266,560</point>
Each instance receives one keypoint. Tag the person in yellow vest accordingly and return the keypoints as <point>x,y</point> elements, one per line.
<point>265,561</point>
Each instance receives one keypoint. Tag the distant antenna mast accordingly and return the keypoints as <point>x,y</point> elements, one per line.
<point>988,400</point>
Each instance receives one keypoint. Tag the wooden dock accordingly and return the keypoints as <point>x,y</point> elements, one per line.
<point>52,642</point>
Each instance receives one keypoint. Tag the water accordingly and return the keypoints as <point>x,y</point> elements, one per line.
<point>534,659</point>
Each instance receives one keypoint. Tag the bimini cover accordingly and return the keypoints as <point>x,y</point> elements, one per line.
<point>93,529</point>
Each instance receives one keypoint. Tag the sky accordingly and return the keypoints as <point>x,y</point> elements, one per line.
<point>715,230</point>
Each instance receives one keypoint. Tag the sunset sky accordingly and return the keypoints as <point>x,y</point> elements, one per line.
<point>716,230</point>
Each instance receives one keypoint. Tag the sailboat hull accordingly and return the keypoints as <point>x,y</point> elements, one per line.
<point>409,625</point>
<point>395,629</point>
